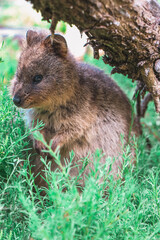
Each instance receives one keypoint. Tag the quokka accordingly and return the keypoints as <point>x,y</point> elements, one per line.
<point>82,108</point>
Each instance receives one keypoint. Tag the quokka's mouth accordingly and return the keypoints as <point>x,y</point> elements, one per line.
<point>28,105</point>
<point>22,102</point>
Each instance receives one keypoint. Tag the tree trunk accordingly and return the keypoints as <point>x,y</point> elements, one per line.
<point>127,30</point>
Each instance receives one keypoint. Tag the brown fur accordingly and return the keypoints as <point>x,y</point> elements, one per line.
<point>82,108</point>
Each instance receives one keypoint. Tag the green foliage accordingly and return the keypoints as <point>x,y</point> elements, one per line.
<point>8,62</point>
<point>112,209</point>
<point>62,27</point>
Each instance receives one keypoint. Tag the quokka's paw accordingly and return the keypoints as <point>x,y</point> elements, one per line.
<point>39,147</point>
<point>56,143</point>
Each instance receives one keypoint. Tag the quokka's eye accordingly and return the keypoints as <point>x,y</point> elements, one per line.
<point>37,78</point>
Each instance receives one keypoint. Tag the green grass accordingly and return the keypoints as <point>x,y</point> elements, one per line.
<point>129,209</point>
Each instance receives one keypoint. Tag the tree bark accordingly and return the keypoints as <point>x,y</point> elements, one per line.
<point>127,30</point>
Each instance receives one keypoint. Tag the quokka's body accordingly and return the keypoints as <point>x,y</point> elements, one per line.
<point>82,108</point>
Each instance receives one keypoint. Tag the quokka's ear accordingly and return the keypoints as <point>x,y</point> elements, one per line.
<point>57,43</point>
<point>32,37</point>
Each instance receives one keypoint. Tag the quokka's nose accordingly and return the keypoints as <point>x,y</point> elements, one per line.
<point>17,100</point>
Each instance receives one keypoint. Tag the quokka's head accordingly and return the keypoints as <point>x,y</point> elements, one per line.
<point>44,72</point>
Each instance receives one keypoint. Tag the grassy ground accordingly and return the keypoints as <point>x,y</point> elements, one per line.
<point>131,209</point>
